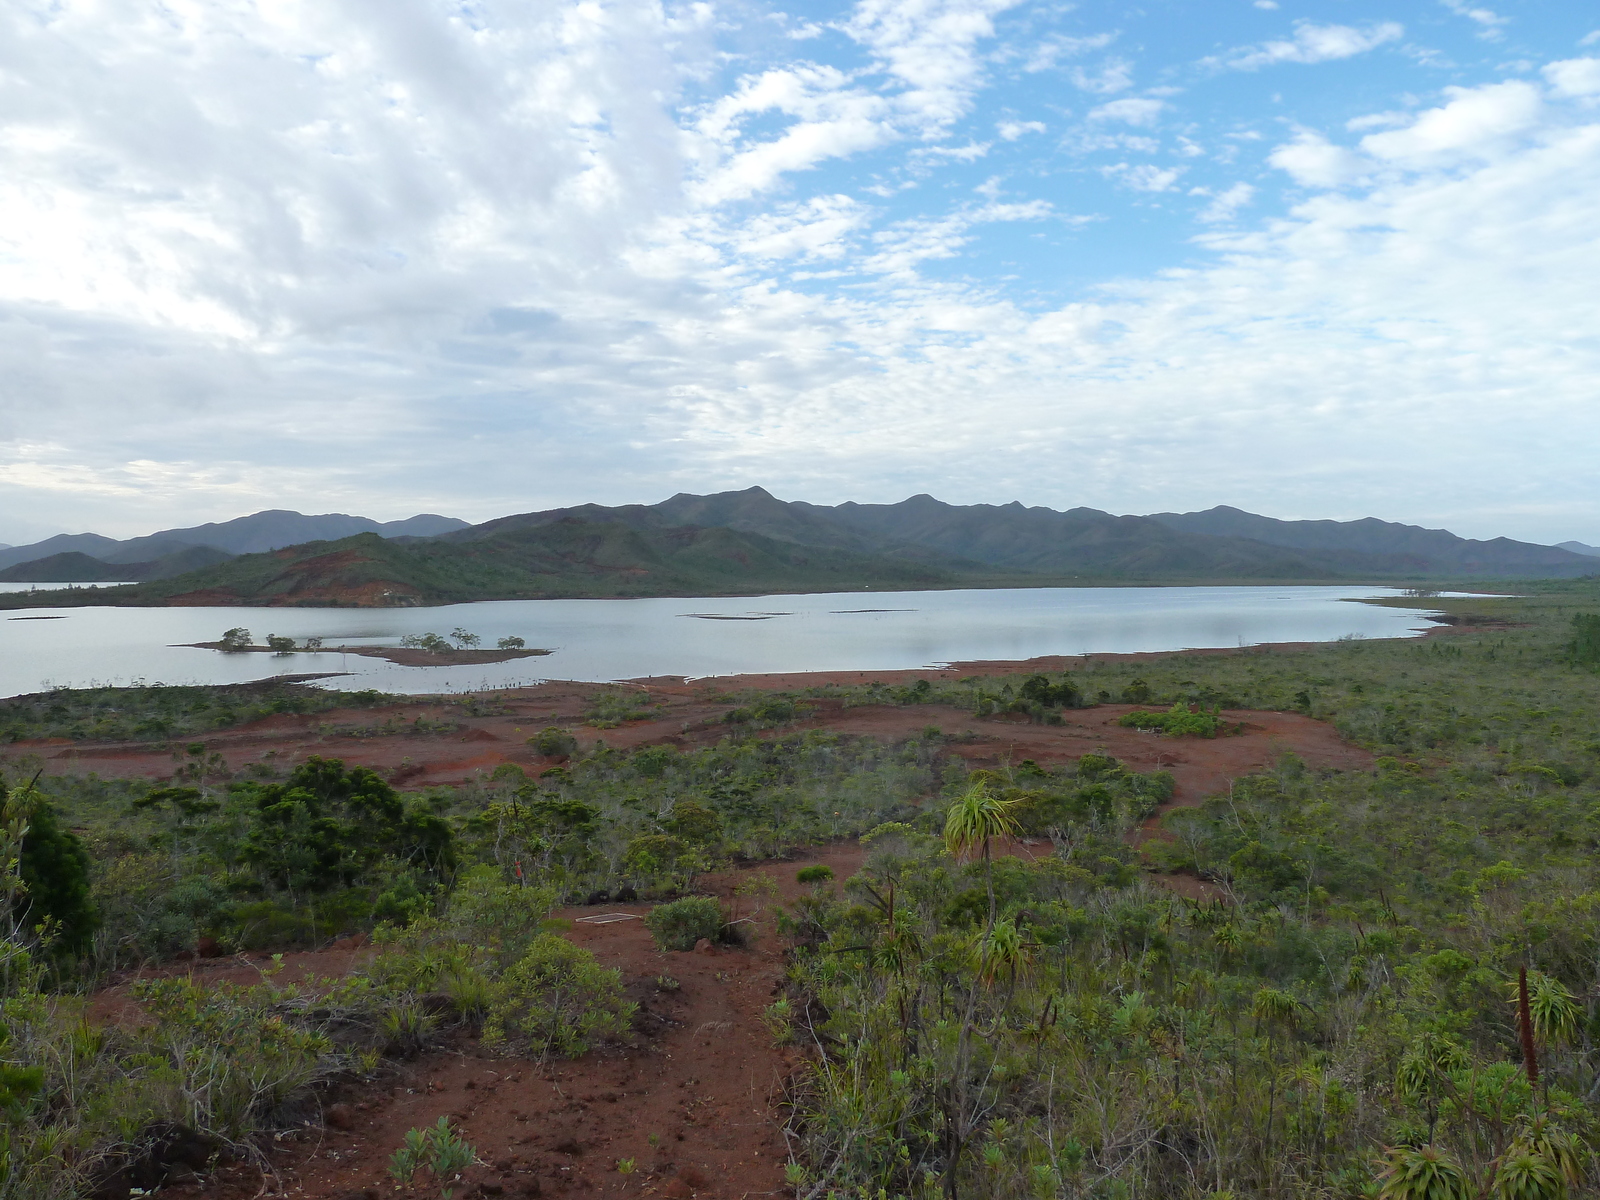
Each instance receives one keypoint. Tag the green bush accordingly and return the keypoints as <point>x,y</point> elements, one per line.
<point>660,858</point>
<point>54,867</point>
<point>554,743</point>
<point>557,1000</point>
<point>818,873</point>
<point>1585,644</point>
<point>1177,721</point>
<point>694,823</point>
<point>682,923</point>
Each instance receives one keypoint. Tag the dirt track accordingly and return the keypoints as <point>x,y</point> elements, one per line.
<point>692,1107</point>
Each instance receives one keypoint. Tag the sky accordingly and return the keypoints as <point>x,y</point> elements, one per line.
<point>1311,258</point>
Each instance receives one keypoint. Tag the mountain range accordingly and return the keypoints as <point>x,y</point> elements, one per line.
<point>749,542</point>
<point>72,557</point>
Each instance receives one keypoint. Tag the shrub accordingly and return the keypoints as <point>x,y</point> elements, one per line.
<point>1585,644</point>
<point>54,868</point>
<point>682,923</point>
<point>502,918</point>
<point>694,823</point>
<point>441,1149</point>
<point>819,873</point>
<point>557,1000</point>
<point>660,857</point>
<point>279,644</point>
<point>554,743</point>
<point>1177,721</point>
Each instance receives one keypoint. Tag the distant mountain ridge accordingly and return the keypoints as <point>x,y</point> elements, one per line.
<point>750,542</point>
<point>173,551</point>
<point>1220,543</point>
<point>1435,551</point>
<point>1579,548</point>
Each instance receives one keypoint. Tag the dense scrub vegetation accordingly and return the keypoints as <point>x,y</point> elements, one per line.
<point>1392,986</point>
<point>1394,991</point>
<point>162,711</point>
<point>458,882</point>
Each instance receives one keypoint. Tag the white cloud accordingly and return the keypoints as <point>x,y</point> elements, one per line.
<point>1115,75</point>
<point>1049,51</point>
<point>1476,121</point>
<point>1268,5</point>
<point>1312,43</point>
<point>1134,142</point>
<point>1132,110</point>
<point>820,228</point>
<point>931,48</point>
<point>1144,177</point>
<point>835,118</point>
<point>1574,76</point>
<point>389,259</point>
<point>1316,162</point>
<point>1488,21</point>
<point>1012,130</point>
<point>1225,205</point>
<point>906,245</point>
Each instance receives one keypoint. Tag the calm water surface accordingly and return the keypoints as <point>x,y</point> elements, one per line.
<point>597,640</point>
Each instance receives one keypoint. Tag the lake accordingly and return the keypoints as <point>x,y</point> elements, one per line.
<point>598,640</point>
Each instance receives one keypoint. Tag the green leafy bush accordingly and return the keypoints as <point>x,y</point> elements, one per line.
<point>681,923</point>
<point>1177,721</point>
<point>443,1151</point>
<point>327,825</point>
<point>660,858</point>
<point>54,868</point>
<point>557,1000</point>
<point>554,743</point>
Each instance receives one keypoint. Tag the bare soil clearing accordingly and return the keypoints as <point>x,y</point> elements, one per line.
<point>429,740</point>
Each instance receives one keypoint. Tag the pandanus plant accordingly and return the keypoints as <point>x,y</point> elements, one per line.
<point>974,820</point>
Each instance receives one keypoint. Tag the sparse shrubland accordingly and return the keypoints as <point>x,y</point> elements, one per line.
<point>1337,1014</point>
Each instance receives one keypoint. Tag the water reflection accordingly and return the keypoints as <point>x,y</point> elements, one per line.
<point>618,639</point>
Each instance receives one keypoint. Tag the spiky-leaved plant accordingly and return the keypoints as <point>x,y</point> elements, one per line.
<point>974,819</point>
<point>1422,1173</point>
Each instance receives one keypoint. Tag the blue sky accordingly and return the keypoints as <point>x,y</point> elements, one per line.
<point>1308,258</point>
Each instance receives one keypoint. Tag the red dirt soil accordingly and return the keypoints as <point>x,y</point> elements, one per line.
<point>703,1078</point>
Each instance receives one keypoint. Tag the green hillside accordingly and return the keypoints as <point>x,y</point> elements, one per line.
<point>565,558</point>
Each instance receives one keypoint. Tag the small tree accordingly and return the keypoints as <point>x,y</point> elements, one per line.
<point>280,645</point>
<point>511,643</point>
<point>430,642</point>
<point>237,638</point>
<point>48,887</point>
<point>467,641</point>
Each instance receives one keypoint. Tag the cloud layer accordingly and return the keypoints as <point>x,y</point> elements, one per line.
<point>476,259</point>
